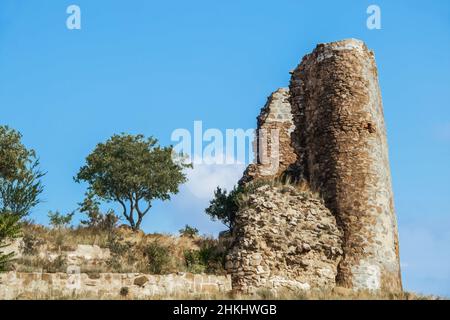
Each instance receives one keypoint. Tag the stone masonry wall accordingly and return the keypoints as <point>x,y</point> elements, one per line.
<point>285,239</point>
<point>14,285</point>
<point>336,97</point>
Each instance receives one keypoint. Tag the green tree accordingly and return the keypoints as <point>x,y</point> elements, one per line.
<point>224,206</point>
<point>20,186</point>
<point>132,171</point>
<point>158,257</point>
<point>188,231</point>
<point>95,218</point>
<point>9,229</point>
<point>20,177</point>
<point>59,220</point>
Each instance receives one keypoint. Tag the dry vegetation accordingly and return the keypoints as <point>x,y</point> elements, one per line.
<point>260,295</point>
<point>45,250</point>
<point>154,253</point>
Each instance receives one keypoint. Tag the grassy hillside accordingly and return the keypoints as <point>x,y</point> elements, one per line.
<point>41,249</point>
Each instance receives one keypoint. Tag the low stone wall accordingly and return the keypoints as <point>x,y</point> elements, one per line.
<point>15,285</point>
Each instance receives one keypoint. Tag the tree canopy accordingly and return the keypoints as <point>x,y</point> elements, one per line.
<point>20,186</point>
<point>133,171</point>
<point>96,219</point>
<point>20,177</point>
<point>224,206</point>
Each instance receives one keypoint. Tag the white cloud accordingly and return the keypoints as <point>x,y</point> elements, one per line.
<point>188,206</point>
<point>204,178</point>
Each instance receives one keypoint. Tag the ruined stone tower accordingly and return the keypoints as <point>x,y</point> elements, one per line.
<point>340,148</point>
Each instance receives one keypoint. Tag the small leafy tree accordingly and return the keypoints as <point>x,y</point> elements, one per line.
<point>158,257</point>
<point>20,177</point>
<point>224,206</point>
<point>132,171</point>
<point>59,220</point>
<point>95,218</point>
<point>20,186</point>
<point>210,258</point>
<point>9,229</point>
<point>189,231</point>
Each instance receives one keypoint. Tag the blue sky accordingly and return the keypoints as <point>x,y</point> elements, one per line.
<point>152,66</point>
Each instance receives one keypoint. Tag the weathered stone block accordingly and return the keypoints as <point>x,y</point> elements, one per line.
<point>140,281</point>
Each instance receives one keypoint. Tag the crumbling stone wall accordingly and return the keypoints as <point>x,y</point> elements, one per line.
<point>340,149</point>
<point>274,152</point>
<point>286,239</point>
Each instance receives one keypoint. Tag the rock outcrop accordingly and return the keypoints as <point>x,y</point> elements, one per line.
<point>338,146</point>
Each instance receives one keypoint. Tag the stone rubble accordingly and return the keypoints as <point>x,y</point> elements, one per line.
<point>285,239</point>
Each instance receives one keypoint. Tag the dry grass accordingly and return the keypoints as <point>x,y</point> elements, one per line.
<point>130,251</point>
<point>285,183</point>
<point>66,239</point>
<point>341,294</point>
<point>261,295</point>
